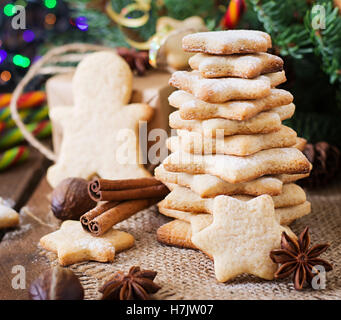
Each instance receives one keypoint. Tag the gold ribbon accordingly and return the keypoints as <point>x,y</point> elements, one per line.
<point>154,43</point>
<point>122,20</point>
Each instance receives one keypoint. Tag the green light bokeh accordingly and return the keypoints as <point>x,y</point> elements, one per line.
<point>21,61</point>
<point>9,10</point>
<point>50,3</point>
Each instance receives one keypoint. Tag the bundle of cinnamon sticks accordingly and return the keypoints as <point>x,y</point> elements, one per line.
<point>130,189</point>
<point>123,198</point>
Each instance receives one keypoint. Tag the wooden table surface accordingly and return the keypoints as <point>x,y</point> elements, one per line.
<point>26,185</point>
<point>18,183</point>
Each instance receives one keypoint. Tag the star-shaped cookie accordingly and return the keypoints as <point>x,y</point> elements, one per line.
<point>73,244</point>
<point>100,132</point>
<point>241,237</point>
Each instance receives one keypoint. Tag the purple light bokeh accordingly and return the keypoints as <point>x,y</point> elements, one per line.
<point>36,58</point>
<point>81,23</point>
<point>28,35</point>
<point>3,55</point>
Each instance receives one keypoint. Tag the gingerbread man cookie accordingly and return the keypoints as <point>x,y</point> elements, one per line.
<point>100,132</point>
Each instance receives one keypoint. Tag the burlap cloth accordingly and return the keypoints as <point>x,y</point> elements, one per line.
<point>189,274</point>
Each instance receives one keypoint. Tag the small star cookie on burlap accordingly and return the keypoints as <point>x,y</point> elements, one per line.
<point>100,132</point>
<point>241,237</point>
<point>73,244</point>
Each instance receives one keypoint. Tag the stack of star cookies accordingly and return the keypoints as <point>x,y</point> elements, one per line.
<point>230,139</point>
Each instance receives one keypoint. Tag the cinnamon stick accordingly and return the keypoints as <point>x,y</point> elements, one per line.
<point>98,224</point>
<point>125,198</point>
<point>105,184</point>
<point>130,189</point>
<point>92,214</point>
<point>132,194</point>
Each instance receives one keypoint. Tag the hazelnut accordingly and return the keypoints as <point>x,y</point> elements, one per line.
<point>70,199</point>
<point>57,284</point>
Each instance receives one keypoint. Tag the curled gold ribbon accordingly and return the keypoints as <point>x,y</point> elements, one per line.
<point>155,42</point>
<point>122,21</point>
<point>121,18</point>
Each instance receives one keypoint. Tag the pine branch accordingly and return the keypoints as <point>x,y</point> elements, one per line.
<point>182,9</point>
<point>290,25</point>
<point>283,21</point>
<point>327,42</point>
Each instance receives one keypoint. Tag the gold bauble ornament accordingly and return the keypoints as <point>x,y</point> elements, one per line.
<point>166,45</point>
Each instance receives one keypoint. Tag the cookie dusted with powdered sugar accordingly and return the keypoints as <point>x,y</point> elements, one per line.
<point>238,145</point>
<point>184,199</point>
<point>235,169</point>
<point>227,42</point>
<point>242,66</point>
<point>209,186</point>
<point>241,236</point>
<point>226,89</point>
<point>199,221</point>
<point>192,108</point>
<point>176,233</point>
<point>73,244</point>
<point>263,122</point>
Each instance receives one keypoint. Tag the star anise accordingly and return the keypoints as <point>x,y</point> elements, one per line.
<point>296,257</point>
<point>136,285</point>
<point>137,60</point>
